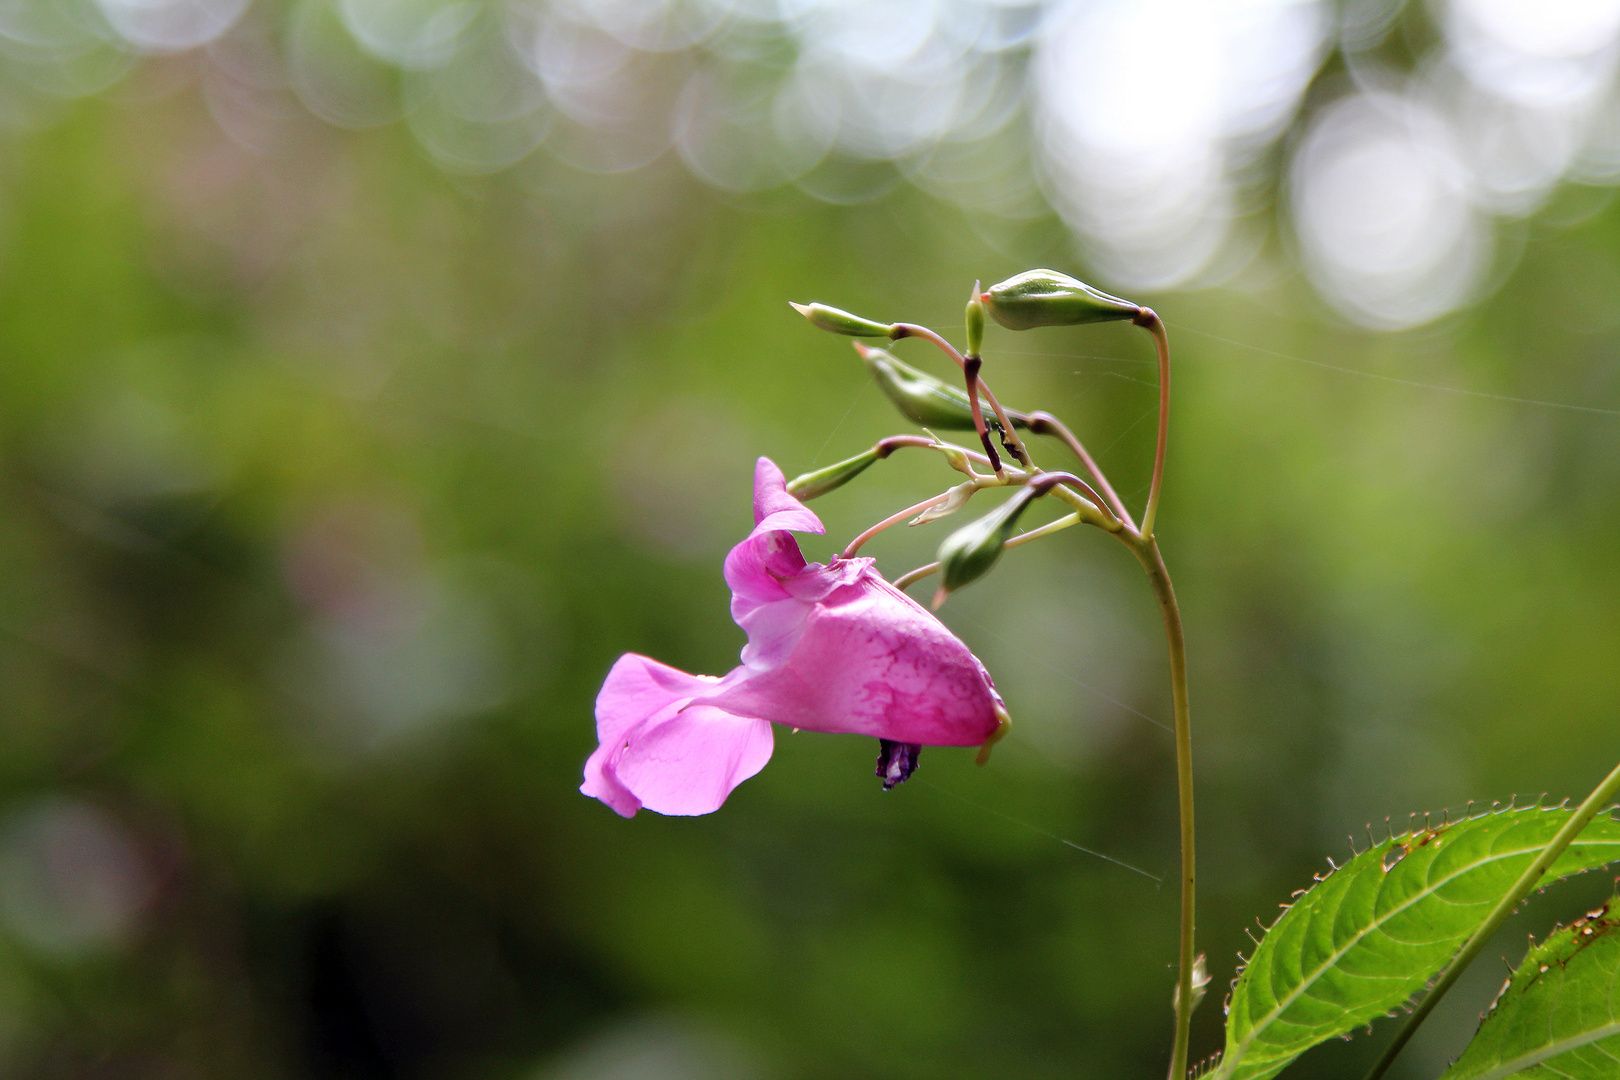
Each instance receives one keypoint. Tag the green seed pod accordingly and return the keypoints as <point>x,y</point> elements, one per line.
<point>1048,298</point>
<point>969,552</point>
<point>923,399</point>
<point>813,484</point>
<point>975,322</point>
<point>841,322</point>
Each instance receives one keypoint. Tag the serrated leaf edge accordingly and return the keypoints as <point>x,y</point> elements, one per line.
<point>1530,1061</point>
<point>1372,842</point>
<point>1238,1052</point>
<point>1536,1057</point>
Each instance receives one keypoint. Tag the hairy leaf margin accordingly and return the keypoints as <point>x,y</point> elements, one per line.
<point>1558,1015</point>
<point>1372,933</point>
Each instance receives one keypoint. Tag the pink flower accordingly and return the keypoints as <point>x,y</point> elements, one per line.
<point>830,648</point>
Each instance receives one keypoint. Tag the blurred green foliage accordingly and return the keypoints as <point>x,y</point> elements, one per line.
<point>334,483</point>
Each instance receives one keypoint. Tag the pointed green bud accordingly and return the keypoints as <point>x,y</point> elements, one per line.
<point>1200,984</point>
<point>1048,298</point>
<point>958,497</point>
<point>813,484</point>
<point>969,552</point>
<point>975,322</point>
<point>923,399</point>
<point>841,322</point>
<point>955,457</point>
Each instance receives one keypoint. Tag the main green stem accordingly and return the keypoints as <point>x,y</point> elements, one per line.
<point>1602,796</point>
<point>1146,549</point>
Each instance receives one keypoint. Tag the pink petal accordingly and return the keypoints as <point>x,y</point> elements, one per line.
<point>638,686</point>
<point>689,763</point>
<point>602,783</point>
<point>636,690</point>
<point>868,660</point>
<point>755,568</point>
<point>773,630</point>
<point>774,508</point>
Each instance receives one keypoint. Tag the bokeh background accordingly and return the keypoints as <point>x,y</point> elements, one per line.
<point>376,371</point>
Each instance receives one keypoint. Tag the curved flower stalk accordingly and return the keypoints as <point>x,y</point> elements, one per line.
<point>831,648</point>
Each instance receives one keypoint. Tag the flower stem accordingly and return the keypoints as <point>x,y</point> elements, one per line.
<point>1044,423</point>
<point>1148,320</point>
<point>894,519</point>
<point>1087,503</point>
<point>970,368</point>
<point>1146,549</point>
<point>1602,796</point>
<point>907,580</point>
<point>885,447</point>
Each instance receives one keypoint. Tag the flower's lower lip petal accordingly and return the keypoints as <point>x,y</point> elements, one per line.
<point>691,762</point>
<point>602,783</point>
<point>636,688</point>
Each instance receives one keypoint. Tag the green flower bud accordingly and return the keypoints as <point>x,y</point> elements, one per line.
<point>841,322</point>
<point>1200,984</point>
<point>1048,298</point>
<point>923,399</point>
<point>813,484</point>
<point>969,552</point>
<point>975,322</point>
<point>958,498</point>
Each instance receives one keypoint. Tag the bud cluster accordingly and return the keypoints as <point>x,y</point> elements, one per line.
<point>1036,298</point>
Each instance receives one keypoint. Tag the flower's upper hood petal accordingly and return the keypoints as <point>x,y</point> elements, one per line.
<point>774,508</point>
<point>755,568</point>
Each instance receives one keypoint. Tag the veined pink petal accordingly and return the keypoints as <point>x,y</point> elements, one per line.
<point>868,660</point>
<point>689,763</point>
<point>636,690</point>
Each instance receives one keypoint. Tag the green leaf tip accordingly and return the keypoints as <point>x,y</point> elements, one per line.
<point>1370,934</point>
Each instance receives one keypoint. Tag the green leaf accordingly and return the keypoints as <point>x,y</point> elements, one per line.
<point>1371,934</point>
<point>1559,1014</point>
